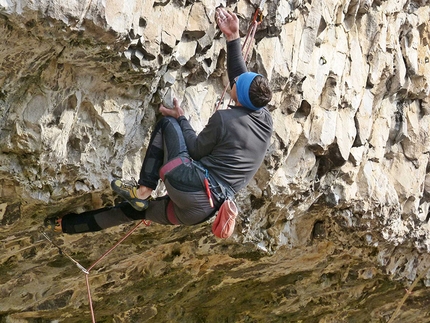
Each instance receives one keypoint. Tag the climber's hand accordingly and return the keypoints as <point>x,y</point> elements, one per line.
<point>228,23</point>
<point>176,112</point>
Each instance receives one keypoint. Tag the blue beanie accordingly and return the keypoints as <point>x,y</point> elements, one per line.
<point>242,89</point>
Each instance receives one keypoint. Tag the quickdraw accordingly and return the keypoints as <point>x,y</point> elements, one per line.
<point>87,271</point>
<point>208,191</point>
<point>247,45</point>
<point>256,21</point>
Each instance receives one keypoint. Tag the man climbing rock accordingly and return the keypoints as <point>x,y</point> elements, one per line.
<point>199,171</point>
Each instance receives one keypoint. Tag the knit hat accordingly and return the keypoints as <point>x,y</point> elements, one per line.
<point>242,89</point>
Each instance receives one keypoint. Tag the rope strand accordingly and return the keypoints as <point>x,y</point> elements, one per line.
<point>147,223</point>
<point>87,282</point>
<point>87,271</point>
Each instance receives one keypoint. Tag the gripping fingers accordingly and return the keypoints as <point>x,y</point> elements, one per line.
<point>222,14</point>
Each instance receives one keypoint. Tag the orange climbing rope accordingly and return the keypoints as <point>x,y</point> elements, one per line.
<point>87,271</point>
<point>247,45</point>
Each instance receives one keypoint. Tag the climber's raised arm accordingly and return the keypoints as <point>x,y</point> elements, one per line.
<point>228,23</point>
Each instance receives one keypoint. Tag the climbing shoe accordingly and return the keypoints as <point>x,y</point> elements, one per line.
<point>129,194</point>
<point>53,224</point>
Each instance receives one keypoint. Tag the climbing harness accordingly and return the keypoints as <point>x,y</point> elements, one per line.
<point>210,186</point>
<point>247,45</point>
<point>87,271</point>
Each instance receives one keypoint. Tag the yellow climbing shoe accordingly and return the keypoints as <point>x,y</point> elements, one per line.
<point>129,194</point>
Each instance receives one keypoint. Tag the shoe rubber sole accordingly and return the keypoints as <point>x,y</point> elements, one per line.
<point>53,224</point>
<point>129,194</point>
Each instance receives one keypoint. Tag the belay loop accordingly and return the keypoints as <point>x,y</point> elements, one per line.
<point>247,45</point>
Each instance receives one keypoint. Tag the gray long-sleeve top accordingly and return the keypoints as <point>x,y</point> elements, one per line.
<point>234,142</point>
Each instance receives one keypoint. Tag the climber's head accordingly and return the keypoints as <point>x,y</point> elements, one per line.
<point>251,90</point>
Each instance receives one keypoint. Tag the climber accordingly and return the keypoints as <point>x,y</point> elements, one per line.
<point>199,171</point>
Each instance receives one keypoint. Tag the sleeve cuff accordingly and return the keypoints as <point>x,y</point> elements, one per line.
<point>234,42</point>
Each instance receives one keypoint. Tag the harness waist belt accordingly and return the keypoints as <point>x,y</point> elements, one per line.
<point>218,188</point>
<point>172,164</point>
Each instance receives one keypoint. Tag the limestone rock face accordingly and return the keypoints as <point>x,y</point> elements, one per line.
<point>334,226</point>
